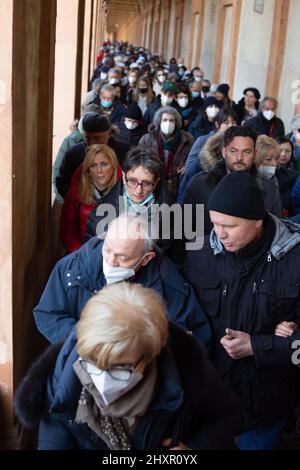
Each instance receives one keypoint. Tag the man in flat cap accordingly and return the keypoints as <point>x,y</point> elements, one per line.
<point>247,280</point>
<point>97,130</point>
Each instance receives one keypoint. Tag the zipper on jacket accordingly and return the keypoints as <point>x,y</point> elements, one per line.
<point>252,305</point>
<point>269,257</point>
<point>223,303</point>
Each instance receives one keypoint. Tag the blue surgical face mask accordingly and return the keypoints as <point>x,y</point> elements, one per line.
<point>106,104</point>
<point>195,94</point>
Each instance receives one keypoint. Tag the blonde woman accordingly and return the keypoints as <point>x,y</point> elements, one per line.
<point>267,156</point>
<point>90,186</point>
<point>268,166</point>
<point>129,381</point>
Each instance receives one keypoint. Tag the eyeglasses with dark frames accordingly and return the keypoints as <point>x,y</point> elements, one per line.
<point>145,185</point>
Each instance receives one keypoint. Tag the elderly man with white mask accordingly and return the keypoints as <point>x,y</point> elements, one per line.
<point>127,253</point>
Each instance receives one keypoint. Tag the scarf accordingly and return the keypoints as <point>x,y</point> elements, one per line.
<point>167,149</point>
<point>115,423</point>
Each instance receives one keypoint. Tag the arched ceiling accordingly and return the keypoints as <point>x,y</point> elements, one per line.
<point>118,11</point>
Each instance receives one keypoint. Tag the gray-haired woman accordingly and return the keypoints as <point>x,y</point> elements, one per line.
<point>172,145</point>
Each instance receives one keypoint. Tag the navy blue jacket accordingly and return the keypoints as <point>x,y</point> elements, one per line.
<point>190,402</point>
<point>78,276</point>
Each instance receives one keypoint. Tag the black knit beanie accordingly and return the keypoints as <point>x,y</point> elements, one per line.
<point>133,112</point>
<point>238,195</point>
<point>95,122</point>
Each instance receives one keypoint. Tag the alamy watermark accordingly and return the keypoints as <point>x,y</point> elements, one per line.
<point>162,222</point>
<point>296,353</point>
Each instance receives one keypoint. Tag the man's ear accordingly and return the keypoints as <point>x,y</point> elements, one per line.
<point>148,257</point>
<point>223,150</point>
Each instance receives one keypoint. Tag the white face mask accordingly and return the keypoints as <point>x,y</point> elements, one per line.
<point>198,79</point>
<point>110,388</point>
<point>167,127</point>
<point>268,114</point>
<point>165,100</point>
<point>161,78</point>
<point>113,81</point>
<point>131,79</point>
<point>115,274</point>
<point>103,76</point>
<point>212,112</point>
<point>131,124</point>
<point>182,102</point>
<point>267,171</point>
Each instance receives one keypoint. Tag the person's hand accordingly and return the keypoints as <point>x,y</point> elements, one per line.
<point>285,328</point>
<point>181,170</point>
<point>167,442</point>
<point>237,344</point>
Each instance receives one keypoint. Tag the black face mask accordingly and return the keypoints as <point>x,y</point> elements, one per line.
<point>143,90</point>
<point>205,89</point>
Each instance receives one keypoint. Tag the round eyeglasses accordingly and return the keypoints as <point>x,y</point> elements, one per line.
<point>145,185</point>
<point>116,372</point>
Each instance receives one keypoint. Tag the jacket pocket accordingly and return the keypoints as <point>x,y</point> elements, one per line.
<point>210,289</point>
<point>277,301</point>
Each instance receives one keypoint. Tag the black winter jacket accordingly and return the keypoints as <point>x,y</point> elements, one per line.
<point>273,128</point>
<point>253,295</point>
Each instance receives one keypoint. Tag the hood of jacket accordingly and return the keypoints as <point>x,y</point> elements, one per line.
<point>211,153</point>
<point>287,236</point>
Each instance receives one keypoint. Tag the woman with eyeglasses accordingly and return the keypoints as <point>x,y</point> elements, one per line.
<point>91,185</point>
<point>137,191</point>
<point>125,379</point>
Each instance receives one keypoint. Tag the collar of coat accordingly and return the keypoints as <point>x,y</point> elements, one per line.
<point>287,236</point>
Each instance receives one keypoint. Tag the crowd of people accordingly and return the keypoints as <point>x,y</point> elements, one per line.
<point>160,340</point>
